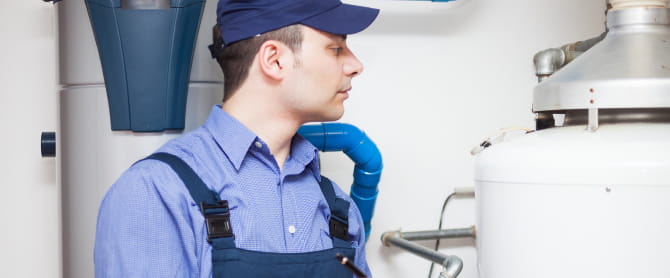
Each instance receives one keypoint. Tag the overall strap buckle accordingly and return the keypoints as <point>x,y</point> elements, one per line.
<point>339,227</point>
<point>217,219</point>
<point>339,211</point>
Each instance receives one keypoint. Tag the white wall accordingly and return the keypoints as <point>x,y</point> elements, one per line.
<point>438,79</point>
<point>29,195</point>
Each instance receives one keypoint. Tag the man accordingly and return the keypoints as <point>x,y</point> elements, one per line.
<point>242,196</point>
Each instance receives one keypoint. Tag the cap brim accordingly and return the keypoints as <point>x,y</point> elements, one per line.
<point>343,20</point>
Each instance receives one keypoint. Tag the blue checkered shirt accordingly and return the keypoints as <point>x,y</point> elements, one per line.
<point>149,226</point>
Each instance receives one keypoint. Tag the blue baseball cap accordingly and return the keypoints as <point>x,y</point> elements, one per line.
<point>242,19</point>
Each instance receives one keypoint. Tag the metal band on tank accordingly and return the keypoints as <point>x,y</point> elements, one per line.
<point>145,4</point>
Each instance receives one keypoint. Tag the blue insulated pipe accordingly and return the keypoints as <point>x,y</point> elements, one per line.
<point>361,150</point>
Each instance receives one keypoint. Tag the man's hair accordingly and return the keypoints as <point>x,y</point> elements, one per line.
<point>235,59</point>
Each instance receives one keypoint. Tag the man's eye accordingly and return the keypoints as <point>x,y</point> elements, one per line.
<point>337,50</point>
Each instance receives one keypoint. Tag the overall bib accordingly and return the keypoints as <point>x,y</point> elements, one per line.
<point>231,262</point>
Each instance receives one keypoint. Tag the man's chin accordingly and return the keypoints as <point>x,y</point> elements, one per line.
<point>331,116</point>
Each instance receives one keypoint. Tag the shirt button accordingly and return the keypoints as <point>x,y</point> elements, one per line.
<point>291,229</point>
<point>258,144</point>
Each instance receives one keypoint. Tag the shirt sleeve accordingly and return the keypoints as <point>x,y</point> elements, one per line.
<point>141,231</point>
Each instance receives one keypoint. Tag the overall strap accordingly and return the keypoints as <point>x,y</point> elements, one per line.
<point>339,214</point>
<point>216,212</point>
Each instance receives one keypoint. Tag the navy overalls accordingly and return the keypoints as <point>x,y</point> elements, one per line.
<point>231,262</point>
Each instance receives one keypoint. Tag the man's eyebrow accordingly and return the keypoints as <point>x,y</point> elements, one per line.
<point>337,37</point>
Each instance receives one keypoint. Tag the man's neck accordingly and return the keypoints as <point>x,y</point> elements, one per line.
<point>268,124</point>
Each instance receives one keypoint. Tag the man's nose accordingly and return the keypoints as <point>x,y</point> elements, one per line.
<point>352,65</point>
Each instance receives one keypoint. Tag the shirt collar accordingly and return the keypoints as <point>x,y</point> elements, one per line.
<point>231,135</point>
<point>235,139</point>
<point>306,154</point>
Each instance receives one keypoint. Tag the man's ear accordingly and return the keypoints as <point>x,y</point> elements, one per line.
<point>271,59</point>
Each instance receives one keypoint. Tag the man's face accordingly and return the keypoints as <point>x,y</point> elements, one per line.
<point>320,78</point>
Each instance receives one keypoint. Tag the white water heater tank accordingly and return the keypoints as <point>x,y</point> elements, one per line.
<point>590,198</point>
<point>566,202</point>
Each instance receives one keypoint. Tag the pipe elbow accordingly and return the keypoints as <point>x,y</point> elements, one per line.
<point>347,138</point>
<point>548,61</point>
<point>359,148</point>
<point>362,151</point>
<point>329,137</point>
<point>386,235</point>
<point>452,266</point>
